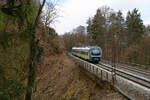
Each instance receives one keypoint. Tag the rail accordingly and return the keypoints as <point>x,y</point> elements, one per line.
<point>133,86</point>
<point>136,78</point>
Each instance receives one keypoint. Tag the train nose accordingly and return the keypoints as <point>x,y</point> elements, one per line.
<point>96,58</point>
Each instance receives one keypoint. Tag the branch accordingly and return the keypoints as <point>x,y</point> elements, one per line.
<point>39,13</point>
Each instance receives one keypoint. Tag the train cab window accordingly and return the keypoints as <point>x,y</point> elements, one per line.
<point>95,52</point>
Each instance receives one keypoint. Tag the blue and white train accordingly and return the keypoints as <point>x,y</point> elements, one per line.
<point>91,53</point>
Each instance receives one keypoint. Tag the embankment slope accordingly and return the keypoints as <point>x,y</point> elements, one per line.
<point>58,78</point>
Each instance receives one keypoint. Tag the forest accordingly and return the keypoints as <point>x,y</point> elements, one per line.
<point>122,39</point>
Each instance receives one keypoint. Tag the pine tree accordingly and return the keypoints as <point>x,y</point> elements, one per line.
<point>117,26</point>
<point>135,26</point>
<point>98,28</point>
<point>89,33</point>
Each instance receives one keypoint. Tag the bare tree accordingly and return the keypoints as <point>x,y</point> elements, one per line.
<point>33,56</point>
<point>50,13</point>
<point>49,16</point>
<point>77,37</point>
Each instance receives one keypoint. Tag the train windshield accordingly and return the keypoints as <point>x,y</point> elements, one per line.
<point>95,51</point>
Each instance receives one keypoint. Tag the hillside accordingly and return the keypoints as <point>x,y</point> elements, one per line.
<point>58,78</point>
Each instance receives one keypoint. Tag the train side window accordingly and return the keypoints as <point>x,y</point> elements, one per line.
<point>82,52</point>
<point>75,51</point>
<point>86,53</point>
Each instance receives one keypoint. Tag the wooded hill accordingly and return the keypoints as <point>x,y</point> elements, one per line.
<point>20,51</point>
<point>122,39</point>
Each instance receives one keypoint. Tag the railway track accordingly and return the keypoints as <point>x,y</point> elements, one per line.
<point>132,82</point>
<point>129,73</point>
<point>129,68</point>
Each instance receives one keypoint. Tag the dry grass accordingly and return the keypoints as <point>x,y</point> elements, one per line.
<point>60,79</point>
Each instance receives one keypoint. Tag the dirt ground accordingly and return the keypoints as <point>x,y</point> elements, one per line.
<point>60,79</point>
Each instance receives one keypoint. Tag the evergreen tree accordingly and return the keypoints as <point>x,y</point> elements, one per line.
<point>98,28</point>
<point>135,26</point>
<point>117,26</point>
<point>89,23</point>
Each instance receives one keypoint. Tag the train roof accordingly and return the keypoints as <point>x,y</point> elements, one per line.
<point>85,48</point>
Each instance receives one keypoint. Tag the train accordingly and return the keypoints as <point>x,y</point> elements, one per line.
<point>90,53</point>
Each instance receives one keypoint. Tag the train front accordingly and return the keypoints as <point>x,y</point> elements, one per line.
<point>95,54</point>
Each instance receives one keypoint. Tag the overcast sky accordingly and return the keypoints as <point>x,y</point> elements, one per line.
<point>76,12</point>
